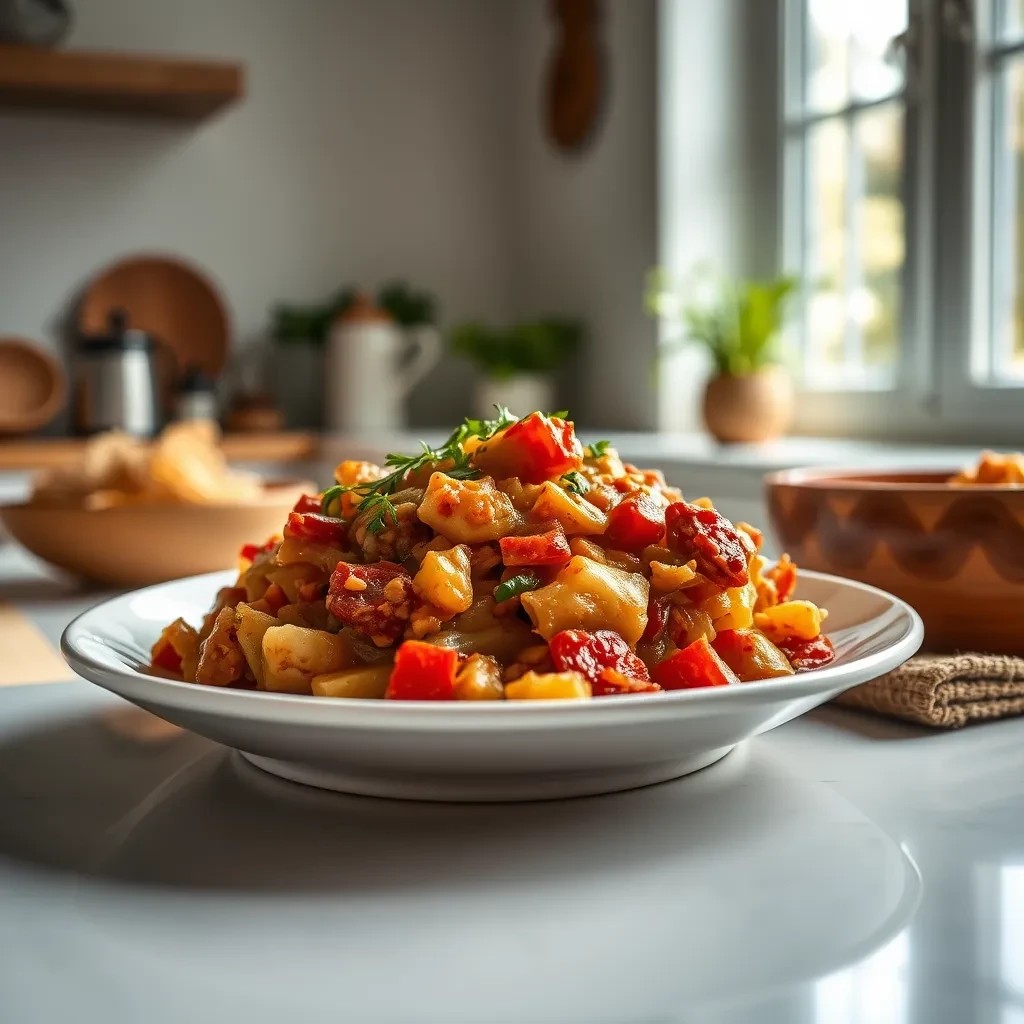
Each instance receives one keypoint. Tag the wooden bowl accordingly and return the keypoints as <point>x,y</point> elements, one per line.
<point>956,553</point>
<point>33,386</point>
<point>136,545</point>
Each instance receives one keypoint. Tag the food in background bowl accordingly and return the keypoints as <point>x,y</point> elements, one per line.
<point>953,552</point>
<point>510,563</point>
<point>131,513</point>
<point>993,468</point>
<point>184,465</point>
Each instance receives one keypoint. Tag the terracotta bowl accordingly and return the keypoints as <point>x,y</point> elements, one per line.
<point>32,386</point>
<point>956,553</point>
<point>136,545</point>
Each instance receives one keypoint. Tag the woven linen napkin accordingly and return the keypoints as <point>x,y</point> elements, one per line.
<point>945,690</point>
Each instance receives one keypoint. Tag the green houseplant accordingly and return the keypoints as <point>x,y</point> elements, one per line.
<point>517,363</point>
<point>749,395</point>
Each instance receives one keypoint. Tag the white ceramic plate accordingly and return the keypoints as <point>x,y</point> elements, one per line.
<point>481,751</point>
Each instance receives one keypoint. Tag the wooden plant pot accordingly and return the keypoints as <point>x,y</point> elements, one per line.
<point>749,409</point>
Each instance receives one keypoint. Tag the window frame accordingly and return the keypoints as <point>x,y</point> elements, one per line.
<point>947,317</point>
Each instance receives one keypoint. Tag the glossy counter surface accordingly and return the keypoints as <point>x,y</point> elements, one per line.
<point>840,870</point>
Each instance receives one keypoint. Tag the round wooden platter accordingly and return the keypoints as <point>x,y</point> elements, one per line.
<point>168,298</point>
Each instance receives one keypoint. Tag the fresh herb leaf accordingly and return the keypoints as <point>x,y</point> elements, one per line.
<point>562,414</point>
<point>516,585</point>
<point>575,482</point>
<point>374,497</point>
<point>597,449</point>
<point>329,498</point>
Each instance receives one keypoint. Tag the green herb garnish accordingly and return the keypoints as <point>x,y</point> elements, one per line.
<point>597,449</point>
<point>516,585</point>
<point>575,482</point>
<point>562,414</point>
<point>375,495</point>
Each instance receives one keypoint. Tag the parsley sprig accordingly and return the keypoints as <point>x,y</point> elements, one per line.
<point>575,482</point>
<point>597,449</point>
<point>375,495</point>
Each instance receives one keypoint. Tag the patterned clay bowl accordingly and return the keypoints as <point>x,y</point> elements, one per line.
<point>955,553</point>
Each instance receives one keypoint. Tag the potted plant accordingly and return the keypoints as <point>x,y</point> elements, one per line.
<point>517,363</point>
<point>749,395</point>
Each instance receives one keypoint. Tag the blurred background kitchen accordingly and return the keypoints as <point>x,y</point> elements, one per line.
<point>690,222</point>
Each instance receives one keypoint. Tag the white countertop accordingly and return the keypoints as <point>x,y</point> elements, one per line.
<point>839,870</point>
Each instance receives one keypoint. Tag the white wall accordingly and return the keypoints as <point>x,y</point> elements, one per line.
<point>585,228</point>
<point>718,161</point>
<point>374,141</point>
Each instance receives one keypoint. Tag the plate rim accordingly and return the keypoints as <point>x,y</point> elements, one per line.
<point>375,713</point>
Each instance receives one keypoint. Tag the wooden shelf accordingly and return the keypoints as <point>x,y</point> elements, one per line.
<point>113,83</point>
<point>44,453</point>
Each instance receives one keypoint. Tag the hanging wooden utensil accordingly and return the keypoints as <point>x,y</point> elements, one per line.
<point>576,81</point>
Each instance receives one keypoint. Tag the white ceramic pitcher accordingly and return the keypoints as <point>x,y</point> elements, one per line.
<point>372,365</point>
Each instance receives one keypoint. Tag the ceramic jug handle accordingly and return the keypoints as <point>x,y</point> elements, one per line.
<point>426,352</point>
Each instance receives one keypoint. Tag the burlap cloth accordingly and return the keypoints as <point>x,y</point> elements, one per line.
<point>945,690</point>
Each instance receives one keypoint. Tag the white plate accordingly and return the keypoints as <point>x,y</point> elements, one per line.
<point>481,751</point>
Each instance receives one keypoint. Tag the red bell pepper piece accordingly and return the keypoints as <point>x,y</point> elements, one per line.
<point>692,667</point>
<point>535,448</point>
<point>576,650</point>
<point>805,655</point>
<point>250,552</point>
<point>610,682</point>
<point>423,672</point>
<point>637,520</point>
<point>315,527</point>
<point>548,548</point>
<point>309,503</point>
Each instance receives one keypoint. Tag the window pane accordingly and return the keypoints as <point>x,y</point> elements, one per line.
<point>847,43</point>
<point>854,250</point>
<point>1011,18</point>
<point>1008,262</point>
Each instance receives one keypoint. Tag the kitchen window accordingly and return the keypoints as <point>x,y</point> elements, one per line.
<point>903,213</point>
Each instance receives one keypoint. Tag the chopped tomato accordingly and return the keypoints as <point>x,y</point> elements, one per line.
<point>610,681</point>
<point>750,654</point>
<point>423,672</point>
<point>657,616</point>
<point>694,666</point>
<point>805,655</point>
<point>309,503</point>
<point>548,548</point>
<point>250,552</point>
<point>707,536</point>
<point>165,656</point>
<point>638,520</point>
<point>576,650</point>
<point>318,528</point>
<point>535,448</point>
<point>375,599</point>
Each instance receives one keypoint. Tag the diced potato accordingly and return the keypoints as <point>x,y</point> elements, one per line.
<point>467,511</point>
<point>479,679</point>
<point>250,625</point>
<point>733,608</point>
<point>293,655</point>
<point>672,577</point>
<point>796,620</point>
<point>290,578</point>
<point>184,643</point>
<point>576,516</point>
<point>548,686</point>
<point>588,549</point>
<point>221,661</point>
<point>443,580</point>
<point>588,595</point>
<point>751,655</point>
<point>365,681</point>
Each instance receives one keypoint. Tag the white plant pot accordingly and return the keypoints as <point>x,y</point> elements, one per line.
<point>524,393</point>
